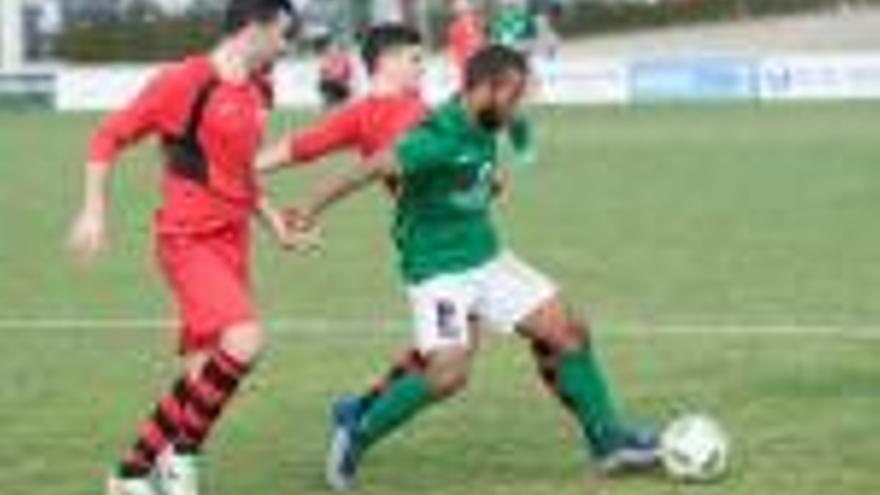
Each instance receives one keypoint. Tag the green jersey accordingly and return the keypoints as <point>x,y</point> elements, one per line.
<point>513,27</point>
<point>443,221</point>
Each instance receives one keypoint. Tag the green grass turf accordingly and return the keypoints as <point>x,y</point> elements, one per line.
<point>649,217</point>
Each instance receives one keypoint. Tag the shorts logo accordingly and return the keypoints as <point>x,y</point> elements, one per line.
<point>446,325</point>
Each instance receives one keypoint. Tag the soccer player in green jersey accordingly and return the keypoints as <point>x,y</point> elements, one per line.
<point>455,267</point>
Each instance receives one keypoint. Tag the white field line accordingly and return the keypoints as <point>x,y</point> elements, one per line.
<point>372,327</point>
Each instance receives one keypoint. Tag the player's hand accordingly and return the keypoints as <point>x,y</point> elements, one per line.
<point>303,232</point>
<point>277,226</point>
<point>306,241</point>
<point>525,159</point>
<point>501,182</point>
<point>88,236</point>
<point>299,219</point>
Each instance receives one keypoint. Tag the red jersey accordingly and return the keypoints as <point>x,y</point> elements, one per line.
<point>465,36</point>
<point>229,134</point>
<point>369,125</point>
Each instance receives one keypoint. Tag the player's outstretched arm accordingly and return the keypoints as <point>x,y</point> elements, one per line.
<point>273,157</point>
<point>140,118</point>
<point>88,233</point>
<point>337,188</point>
<point>332,133</point>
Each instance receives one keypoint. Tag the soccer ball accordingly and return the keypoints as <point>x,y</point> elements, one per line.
<point>694,448</point>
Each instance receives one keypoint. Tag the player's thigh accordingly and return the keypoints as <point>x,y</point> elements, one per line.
<point>510,291</point>
<point>441,308</point>
<point>210,289</point>
<point>233,244</point>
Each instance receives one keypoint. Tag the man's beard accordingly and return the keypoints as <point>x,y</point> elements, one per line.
<point>490,119</point>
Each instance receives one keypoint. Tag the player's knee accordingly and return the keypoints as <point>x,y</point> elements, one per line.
<point>448,371</point>
<point>195,362</point>
<point>555,329</point>
<point>244,341</point>
<point>448,382</point>
<point>567,333</point>
<point>575,333</point>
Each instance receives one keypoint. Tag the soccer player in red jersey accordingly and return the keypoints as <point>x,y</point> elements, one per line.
<point>372,123</point>
<point>209,113</point>
<point>465,35</point>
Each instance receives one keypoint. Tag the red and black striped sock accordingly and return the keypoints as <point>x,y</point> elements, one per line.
<point>410,361</point>
<point>209,393</point>
<point>156,433</point>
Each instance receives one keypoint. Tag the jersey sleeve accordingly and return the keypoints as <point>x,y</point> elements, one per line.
<point>337,131</point>
<point>422,150</point>
<point>521,135</point>
<point>141,117</point>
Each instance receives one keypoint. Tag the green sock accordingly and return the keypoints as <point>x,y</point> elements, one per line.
<point>582,382</point>
<point>401,401</point>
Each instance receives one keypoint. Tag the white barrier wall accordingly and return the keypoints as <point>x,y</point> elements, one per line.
<point>563,81</point>
<point>107,87</point>
<point>804,77</point>
<point>584,81</point>
<point>99,88</point>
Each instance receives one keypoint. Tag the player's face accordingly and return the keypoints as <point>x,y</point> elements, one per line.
<point>501,100</point>
<point>269,41</point>
<point>405,66</point>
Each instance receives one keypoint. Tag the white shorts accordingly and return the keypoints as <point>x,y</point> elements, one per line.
<point>501,293</point>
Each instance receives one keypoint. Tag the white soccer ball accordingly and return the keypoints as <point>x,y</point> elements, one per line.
<point>694,448</point>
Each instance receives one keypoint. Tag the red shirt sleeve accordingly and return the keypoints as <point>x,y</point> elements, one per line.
<point>337,131</point>
<point>141,117</point>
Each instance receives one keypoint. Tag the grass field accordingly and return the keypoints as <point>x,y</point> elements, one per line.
<point>728,255</point>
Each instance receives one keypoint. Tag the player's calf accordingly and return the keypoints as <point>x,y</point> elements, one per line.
<point>211,386</point>
<point>566,356</point>
<point>415,382</point>
<point>156,433</point>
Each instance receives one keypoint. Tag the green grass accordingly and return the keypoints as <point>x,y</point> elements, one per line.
<point>649,217</point>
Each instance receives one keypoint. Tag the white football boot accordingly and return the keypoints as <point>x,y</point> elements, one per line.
<point>177,474</point>
<point>133,486</point>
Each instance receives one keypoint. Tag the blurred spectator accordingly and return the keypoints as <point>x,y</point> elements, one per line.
<point>546,14</point>
<point>465,35</point>
<point>336,75</point>
<point>323,21</point>
<point>42,24</point>
<point>513,24</point>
